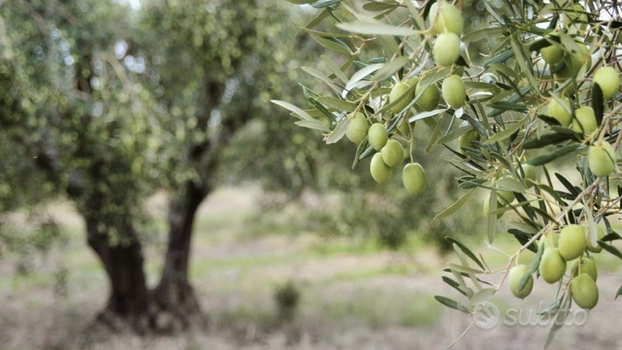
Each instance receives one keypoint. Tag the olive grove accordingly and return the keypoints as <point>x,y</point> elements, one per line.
<point>514,97</point>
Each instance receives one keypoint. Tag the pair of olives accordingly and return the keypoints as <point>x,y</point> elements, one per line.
<point>558,250</point>
<point>447,21</point>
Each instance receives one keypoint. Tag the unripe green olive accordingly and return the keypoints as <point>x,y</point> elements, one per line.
<point>392,153</point>
<point>608,80</point>
<point>552,265</point>
<point>600,233</point>
<point>550,240</point>
<point>588,266</point>
<point>552,54</point>
<point>377,136</point>
<point>446,18</point>
<point>561,113</point>
<point>577,60</point>
<point>454,92</point>
<point>357,129</point>
<point>572,242</point>
<point>413,177</point>
<point>515,276</point>
<point>430,98</point>
<point>601,159</point>
<point>446,49</point>
<point>505,197</point>
<point>585,121</point>
<point>584,291</point>
<point>403,127</point>
<point>465,140</point>
<point>487,207</point>
<point>379,170</point>
<point>396,92</point>
<point>530,174</point>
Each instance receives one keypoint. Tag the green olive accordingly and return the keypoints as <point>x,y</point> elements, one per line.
<point>600,233</point>
<point>561,113</point>
<point>487,207</point>
<point>601,159</point>
<point>552,54</point>
<point>398,91</point>
<point>447,19</point>
<point>412,81</point>
<point>515,276</point>
<point>572,242</point>
<point>608,80</point>
<point>413,177</point>
<point>446,49</point>
<point>377,136</point>
<point>530,174</point>
<point>357,129</point>
<point>380,171</point>
<point>465,140</point>
<point>552,265</point>
<point>503,196</point>
<point>574,62</point>
<point>584,291</point>
<point>454,92</point>
<point>588,265</point>
<point>429,99</point>
<point>585,121</point>
<point>392,153</point>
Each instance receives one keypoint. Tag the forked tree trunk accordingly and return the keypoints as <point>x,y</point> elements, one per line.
<point>175,299</point>
<point>123,262</point>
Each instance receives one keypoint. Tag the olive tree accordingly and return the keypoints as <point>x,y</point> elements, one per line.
<point>541,90</point>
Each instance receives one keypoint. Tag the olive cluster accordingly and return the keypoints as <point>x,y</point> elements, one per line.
<point>570,245</point>
<point>446,21</point>
<point>601,155</point>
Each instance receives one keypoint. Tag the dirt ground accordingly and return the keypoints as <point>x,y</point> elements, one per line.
<point>353,295</point>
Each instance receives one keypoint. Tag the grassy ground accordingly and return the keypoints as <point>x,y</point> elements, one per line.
<point>354,295</point>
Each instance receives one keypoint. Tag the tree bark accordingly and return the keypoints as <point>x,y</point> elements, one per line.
<point>123,262</point>
<point>174,296</point>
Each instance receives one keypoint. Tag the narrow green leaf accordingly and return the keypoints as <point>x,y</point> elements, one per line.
<point>339,131</point>
<point>507,132</point>
<point>297,111</point>
<point>313,124</point>
<point>456,206</point>
<point>466,251</point>
<point>390,68</point>
<point>376,28</point>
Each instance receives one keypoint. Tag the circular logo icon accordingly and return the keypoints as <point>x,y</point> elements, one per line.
<point>486,316</point>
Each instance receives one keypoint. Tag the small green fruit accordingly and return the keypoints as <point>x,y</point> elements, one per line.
<point>600,233</point>
<point>465,140</point>
<point>454,91</point>
<point>552,265</point>
<point>398,91</point>
<point>530,174</point>
<point>357,129</point>
<point>505,197</point>
<point>377,136</point>
<point>446,49</point>
<point>392,153</point>
<point>447,19</point>
<point>413,178</point>
<point>584,291</point>
<point>552,54</point>
<point>608,80</point>
<point>601,159</point>
<point>515,276</point>
<point>487,207</point>
<point>588,266</point>
<point>379,170</point>
<point>560,112</point>
<point>572,242</point>
<point>585,121</point>
<point>429,99</point>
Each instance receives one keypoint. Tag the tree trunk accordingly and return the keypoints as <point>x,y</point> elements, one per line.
<point>174,296</point>
<point>129,296</point>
